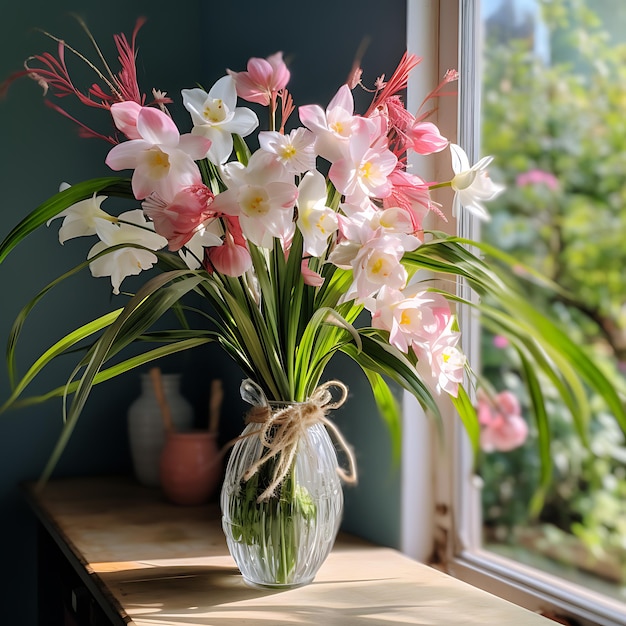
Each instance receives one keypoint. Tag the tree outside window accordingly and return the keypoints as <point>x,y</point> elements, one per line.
<point>554,117</point>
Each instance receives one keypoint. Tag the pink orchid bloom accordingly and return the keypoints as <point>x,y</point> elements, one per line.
<point>332,128</point>
<point>263,79</point>
<point>503,427</point>
<point>365,168</point>
<point>163,160</point>
<point>311,278</point>
<point>409,318</point>
<point>425,138</point>
<point>376,263</point>
<point>262,195</point>
<point>230,258</point>
<point>125,116</point>
<point>179,219</point>
<point>412,194</point>
<point>442,361</point>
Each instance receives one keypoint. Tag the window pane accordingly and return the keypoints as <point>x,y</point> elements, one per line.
<point>554,117</point>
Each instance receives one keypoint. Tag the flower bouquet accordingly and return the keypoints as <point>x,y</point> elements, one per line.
<point>284,241</point>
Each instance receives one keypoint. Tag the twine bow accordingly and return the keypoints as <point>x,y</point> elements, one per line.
<point>282,429</point>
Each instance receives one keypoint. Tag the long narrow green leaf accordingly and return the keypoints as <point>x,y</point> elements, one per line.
<point>382,358</point>
<point>389,409</point>
<point>467,413</point>
<point>151,301</point>
<point>543,434</point>
<point>61,201</point>
<point>60,347</point>
<point>120,368</point>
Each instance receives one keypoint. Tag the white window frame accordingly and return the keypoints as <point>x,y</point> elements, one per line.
<point>441,516</point>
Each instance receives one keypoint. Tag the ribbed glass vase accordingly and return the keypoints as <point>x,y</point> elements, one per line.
<point>281,541</point>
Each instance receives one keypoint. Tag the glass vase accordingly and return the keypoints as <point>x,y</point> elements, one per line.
<point>281,541</point>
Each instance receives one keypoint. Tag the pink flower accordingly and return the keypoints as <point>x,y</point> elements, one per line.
<point>334,127</point>
<point>410,318</point>
<point>503,427</point>
<point>377,263</point>
<point>365,168</point>
<point>441,361</point>
<point>263,79</point>
<point>163,160</point>
<point>500,342</point>
<point>229,258</point>
<point>538,177</point>
<point>425,138</point>
<point>125,116</point>
<point>410,193</point>
<point>179,219</point>
<point>310,277</point>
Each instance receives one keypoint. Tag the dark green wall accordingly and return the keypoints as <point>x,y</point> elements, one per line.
<point>183,43</point>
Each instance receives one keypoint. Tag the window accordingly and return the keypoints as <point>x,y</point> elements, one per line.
<point>458,529</point>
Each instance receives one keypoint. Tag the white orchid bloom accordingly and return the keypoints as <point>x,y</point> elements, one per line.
<point>472,185</point>
<point>316,221</point>
<point>296,151</point>
<point>193,251</point>
<point>125,261</point>
<point>216,117</point>
<point>81,218</point>
<point>262,195</point>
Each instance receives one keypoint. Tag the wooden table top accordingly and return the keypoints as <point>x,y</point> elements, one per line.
<point>162,564</point>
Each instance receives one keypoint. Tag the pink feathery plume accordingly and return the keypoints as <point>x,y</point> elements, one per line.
<point>287,108</point>
<point>53,76</point>
<point>395,84</point>
<point>449,77</point>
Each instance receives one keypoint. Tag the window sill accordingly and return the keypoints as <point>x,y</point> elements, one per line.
<point>536,590</point>
<point>145,561</point>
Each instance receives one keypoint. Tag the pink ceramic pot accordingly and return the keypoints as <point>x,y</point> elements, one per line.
<point>191,467</point>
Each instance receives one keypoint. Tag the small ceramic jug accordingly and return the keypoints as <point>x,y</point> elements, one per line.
<point>191,467</point>
<point>146,431</point>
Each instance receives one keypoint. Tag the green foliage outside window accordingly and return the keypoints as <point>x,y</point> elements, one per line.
<point>558,132</point>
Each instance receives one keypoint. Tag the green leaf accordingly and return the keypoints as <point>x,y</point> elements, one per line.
<point>57,349</point>
<point>389,409</point>
<point>149,304</point>
<point>61,201</point>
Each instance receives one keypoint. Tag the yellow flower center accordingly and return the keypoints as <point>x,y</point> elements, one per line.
<point>159,162</point>
<point>254,201</point>
<point>366,170</point>
<point>214,111</point>
<point>377,266</point>
<point>288,152</point>
<point>337,127</point>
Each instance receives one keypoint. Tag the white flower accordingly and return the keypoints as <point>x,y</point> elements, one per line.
<point>216,117</point>
<point>81,218</point>
<point>295,151</point>
<point>472,185</point>
<point>316,221</point>
<point>206,236</point>
<point>126,261</point>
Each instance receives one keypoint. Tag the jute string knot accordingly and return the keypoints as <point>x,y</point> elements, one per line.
<point>281,429</point>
